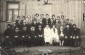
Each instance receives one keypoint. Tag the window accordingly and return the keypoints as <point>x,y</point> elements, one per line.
<point>12,11</point>
<point>0,0</point>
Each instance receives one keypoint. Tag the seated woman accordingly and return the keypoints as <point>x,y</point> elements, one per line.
<point>61,36</point>
<point>47,35</point>
<point>54,35</point>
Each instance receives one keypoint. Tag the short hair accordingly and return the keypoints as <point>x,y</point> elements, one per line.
<point>18,16</point>
<point>46,14</point>
<point>9,25</point>
<point>67,19</point>
<point>53,15</point>
<point>71,20</point>
<point>23,16</point>
<point>62,15</point>
<point>74,24</point>
<point>67,24</point>
<point>37,14</point>
<point>41,14</point>
<point>16,28</point>
<point>58,16</point>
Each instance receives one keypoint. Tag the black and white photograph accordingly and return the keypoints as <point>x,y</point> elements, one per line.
<point>42,27</point>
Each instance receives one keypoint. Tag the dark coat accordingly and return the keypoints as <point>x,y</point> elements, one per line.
<point>46,21</point>
<point>67,32</point>
<point>76,32</point>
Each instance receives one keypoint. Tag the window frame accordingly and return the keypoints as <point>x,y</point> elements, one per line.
<point>11,2</point>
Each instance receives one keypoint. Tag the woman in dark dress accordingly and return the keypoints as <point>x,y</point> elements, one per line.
<point>61,35</point>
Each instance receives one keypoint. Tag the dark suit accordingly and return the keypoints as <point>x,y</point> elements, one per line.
<point>17,23</point>
<point>46,21</point>
<point>76,36</point>
<point>33,37</point>
<point>7,39</point>
<point>15,38</point>
<point>34,20</point>
<point>40,38</point>
<point>24,35</point>
<point>67,33</point>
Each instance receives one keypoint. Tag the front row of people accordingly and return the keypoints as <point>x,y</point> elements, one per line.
<point>68,36</point>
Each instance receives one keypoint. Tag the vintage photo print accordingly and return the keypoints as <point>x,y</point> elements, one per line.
<point>42,27</point>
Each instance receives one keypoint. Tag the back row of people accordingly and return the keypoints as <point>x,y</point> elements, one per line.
<point>42,20</point>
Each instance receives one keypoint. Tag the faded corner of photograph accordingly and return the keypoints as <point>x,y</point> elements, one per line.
<point>42,27</point>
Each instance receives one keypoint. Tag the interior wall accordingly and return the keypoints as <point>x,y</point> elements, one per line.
<point>71,9</point>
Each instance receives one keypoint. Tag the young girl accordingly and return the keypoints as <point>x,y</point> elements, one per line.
<point>61,34</point>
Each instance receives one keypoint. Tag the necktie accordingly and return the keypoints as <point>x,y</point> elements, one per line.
<point>54,30</point>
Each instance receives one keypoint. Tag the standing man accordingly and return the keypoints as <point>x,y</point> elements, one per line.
<point>46,20</point>
<point>54,19</point>
<point>41,17</point>
<point>17,21</point>
<point>35,18</point>
<point>21,21</point>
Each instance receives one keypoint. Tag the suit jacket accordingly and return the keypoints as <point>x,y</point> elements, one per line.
<point>67,32</point>
<point>34,20</point>
<point>46,21</point>
<point>8,32</point>
<point>76,32</point>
